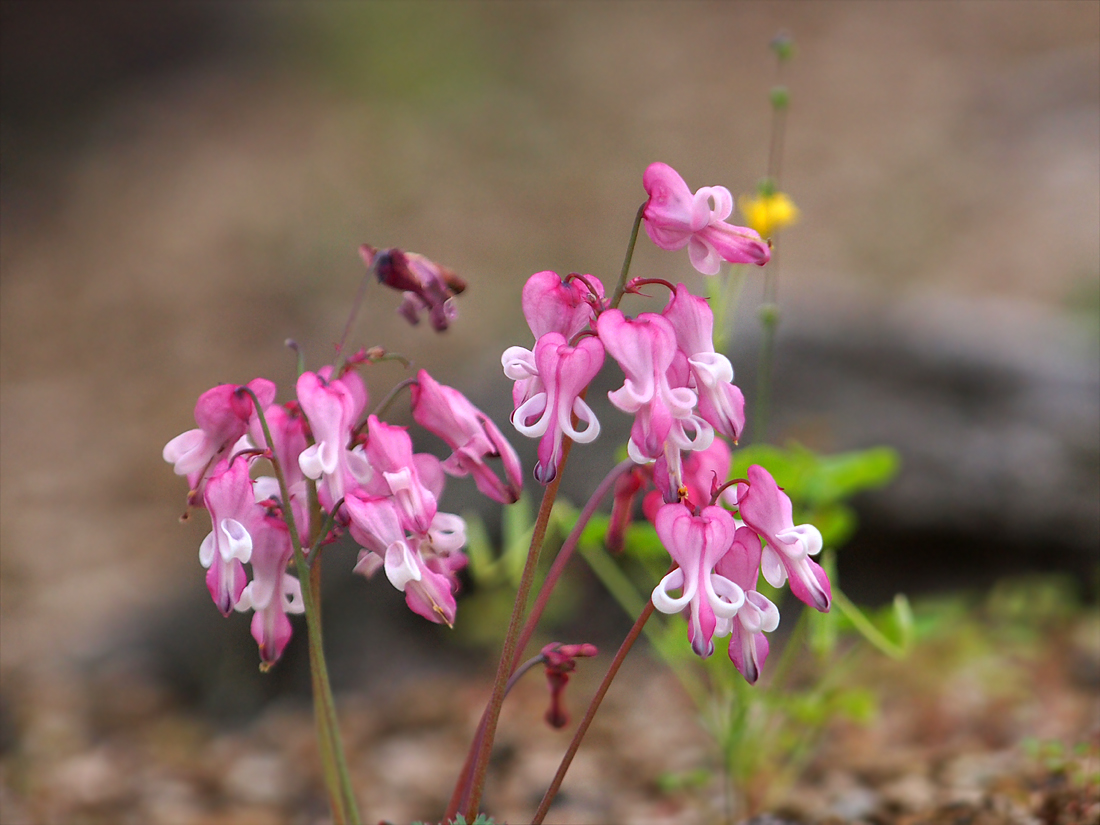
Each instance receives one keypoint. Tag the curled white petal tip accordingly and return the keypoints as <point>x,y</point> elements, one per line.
<point>309,462</point>
<point>207,550</point>
<point>238,544</point>
<point>401,567</point>
<point>292,595</point>
<point>803,540</point>
<point>666,603</point>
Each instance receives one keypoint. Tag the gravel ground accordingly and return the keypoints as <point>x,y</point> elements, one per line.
<point>976,726</point>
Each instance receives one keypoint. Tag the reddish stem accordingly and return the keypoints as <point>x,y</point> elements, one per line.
<point>590,714</point>
<point>566,553</point>
<point>505,666</point>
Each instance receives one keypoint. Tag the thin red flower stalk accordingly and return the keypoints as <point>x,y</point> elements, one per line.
<point>505,666</point>
<point>590,714</point>
<point>461,791</point>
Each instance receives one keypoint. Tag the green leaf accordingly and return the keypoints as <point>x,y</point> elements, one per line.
<point>478,549</point>
<point>839,477</point>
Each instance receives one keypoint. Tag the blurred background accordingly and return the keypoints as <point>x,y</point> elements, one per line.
<point>185,185</point>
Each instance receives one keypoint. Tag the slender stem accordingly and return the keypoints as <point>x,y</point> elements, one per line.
<point>566,553</point>
<point>504,667</point>
<point>724,293</point>
<point>461,791</point>
<point>769,310</point>
<point>775,150</point>
<point>545,591</point>
<point>299,354</point>
<point>334,765</point>
<point>620,287</point>
<point>356,305</point>
<point>866,628</point>
<point>590,714</point>
<point>769,320</point>
<point>326,528</point>
<point>384,404</point>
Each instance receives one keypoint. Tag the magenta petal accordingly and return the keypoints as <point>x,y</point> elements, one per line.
<point>669,210</point>
<point>809,583</point>
<point>737,244</point>
<point>551,305</point>
<point>375,523</point>
<point>767,510</point>
<point>470,433</point>
<point>692,320</point>
<point>226,581</point>
<point>272,631</point>
<point>673,218</point>
<point>724,409</point>
<point>748,652</point>
<point>565,372</point>
<point>432,597</point>
<point>696,543</point>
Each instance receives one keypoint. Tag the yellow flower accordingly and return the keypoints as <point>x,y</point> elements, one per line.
<point>768,213</point>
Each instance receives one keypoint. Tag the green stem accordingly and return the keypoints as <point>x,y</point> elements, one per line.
<point>334,765</point>
<point>769,320</point>
<point>384,404</point>
<point>769,310</point>
<point>724,294</point>
<point>620,287</point>
<point>867,629</point>
<point>590,714</point>
<point>507,654</point>
<point>356,305</point>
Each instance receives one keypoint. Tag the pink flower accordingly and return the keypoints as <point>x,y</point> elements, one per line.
<point>288,431</point>
<point>424,569</point>
<point>703,472</point>
<point>696,543</point>
<point>414,482</point>
<point>553,305</point>
<point>721,403</point>
<point>223,414</point>
<point>767,510</point>
<point>332,407</point>
<point>675,218</point>
<point>645,349</point>
<point>234,516</point>
<point>471,434</point>
<point>426,285</point>
<point>554,377</point>
<point>273,592</point>
<point>748,648</point>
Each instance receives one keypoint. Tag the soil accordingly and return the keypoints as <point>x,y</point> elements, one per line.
<point>978,725</point>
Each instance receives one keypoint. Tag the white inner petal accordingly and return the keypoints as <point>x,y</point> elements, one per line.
<point>667,603</point>
<point>238,544</point>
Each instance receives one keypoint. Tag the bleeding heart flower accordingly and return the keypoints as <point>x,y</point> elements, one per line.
<point>675,218</point>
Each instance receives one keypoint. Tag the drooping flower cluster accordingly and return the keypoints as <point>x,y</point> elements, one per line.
<point>368,482</point>
<point>681,394</point>
<point>679,390</point>
<point>720,556</point>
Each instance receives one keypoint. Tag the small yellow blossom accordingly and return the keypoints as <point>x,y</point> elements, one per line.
<point>768,213</point>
